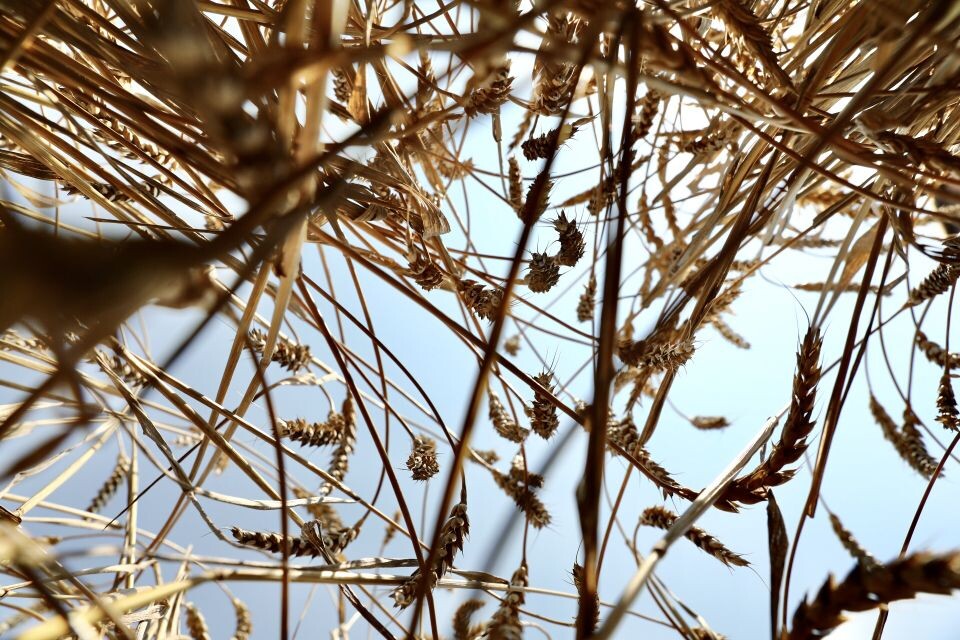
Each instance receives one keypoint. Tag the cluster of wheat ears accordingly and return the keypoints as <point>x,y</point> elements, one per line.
<point>527,178</point>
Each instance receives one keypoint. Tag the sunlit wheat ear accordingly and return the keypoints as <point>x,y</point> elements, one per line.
<point>543,272</point>
<point>539,147</point>
<point>864,590</point>
<point>852,545</point>
<point>912,447</point>
<point>943,276</point>
<point>340,457</point>
<point>937,354</point>
<point>290,355</point>
<point>422,462</point>
<point>505,622</point>
<point>505,426</point>
<point>424,272</point>
<point>588,300</point>
<point>110,486</point>
<point>729,334</point>
<point>947,413</point>
<point>709,423</point>
<point>572,245</point>
<point>196,625</point>
<point>313,434</point>
<point>657,356</point>
<point>463,627</point>
<point>452,535</point>
<point>274,542</point>
<point>647,109</point>
<point>906,440</point>
<point>533,207</point>
<point>578,582</point>
<point>624,435</point>
<point>515,184</point>
<point>481,300</point>
<point>244,623</point>
<point>663,519</point>
<point>520,486</point>
<point>796,428</point>
<point>493,91</point>
<point>542,412</point>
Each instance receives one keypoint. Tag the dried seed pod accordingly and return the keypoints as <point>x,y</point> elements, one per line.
<point>539,147</point>
<point>424,272</point>
<point>515,180</point>
<point>912,448</point>
<point>947,404</point>
<point>572,245</point>
<point>482,301</point>
<point>850,543</point>
<point>663,519</point>
<point>939,281</point>
<point>937,354</point>
<point>274,542</point>
<point>244,624</point>
<point>313,434</point>
<point>578,578</point>
<point>454,531</point>
<point>646,112</point>
<point>462,627</point>
<point>907,441</point>
<point>542,413</point>
<point>512,345</point>
<point>656,355</point>
<point>505,623</point>
<point>505,426</point>
<point>797,427</point>
<point>864,590</point>
<point>543,273</point>
<point>422,462</point>
<point>519,485</point>
<point>588,300</point>
<point>109,192</point>
<point>534,205</point>
<point>708,423</point>
<point>340,458</point>
<point>729,334</point>
<point>196,625</point>
<point>343,83</point>
<point>492,92</point>
<point>291,355</point>
<point>110,486</point>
